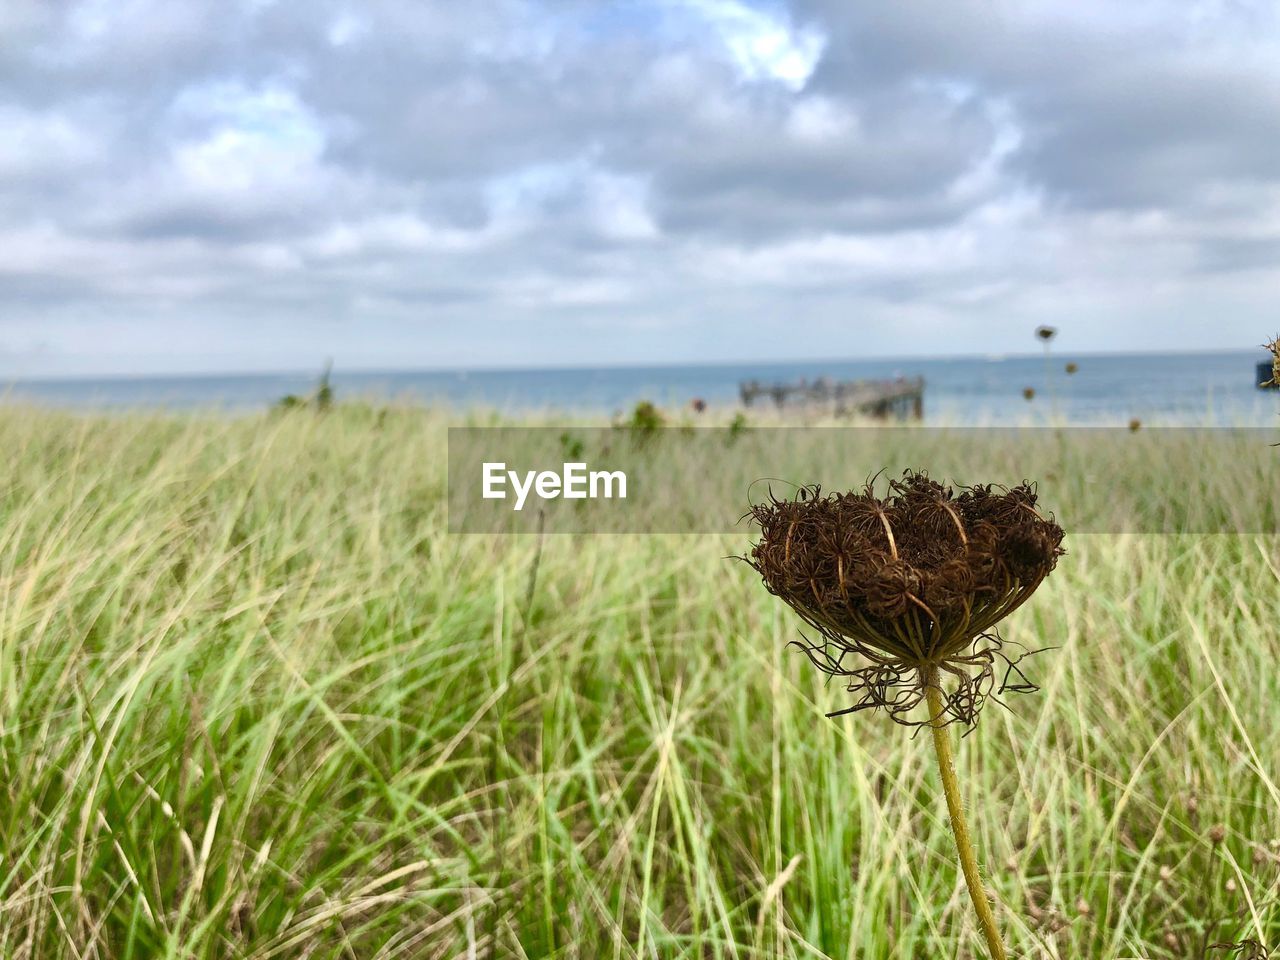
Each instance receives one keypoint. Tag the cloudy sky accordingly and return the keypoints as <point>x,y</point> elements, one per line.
<point>257,184</point>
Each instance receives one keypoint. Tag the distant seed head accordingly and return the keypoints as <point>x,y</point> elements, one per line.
<point>1246,949</point>
<point>909,582</point>
<point>1072,368</point>
<point>1217,833</point>
<point>1028,393</point>
<point>1046,333</point>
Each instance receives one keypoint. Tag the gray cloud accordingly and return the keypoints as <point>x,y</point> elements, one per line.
<point>510,181</point>
<point>1118,107</point>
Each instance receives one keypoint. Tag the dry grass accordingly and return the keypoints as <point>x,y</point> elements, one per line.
<point>256,702</point>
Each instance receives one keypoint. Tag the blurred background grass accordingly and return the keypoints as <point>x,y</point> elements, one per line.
<point>256,702</point>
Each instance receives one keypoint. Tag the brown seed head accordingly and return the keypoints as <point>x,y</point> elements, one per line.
<point>1028,393</point>
<point>1217,833</point>
<point>1046,333</point>
<point>910,582</point>
<point>1072,368</point>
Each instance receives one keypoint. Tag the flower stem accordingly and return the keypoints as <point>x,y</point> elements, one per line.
<point>959,827</point>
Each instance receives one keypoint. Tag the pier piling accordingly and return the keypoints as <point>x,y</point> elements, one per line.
<point>900,399</point>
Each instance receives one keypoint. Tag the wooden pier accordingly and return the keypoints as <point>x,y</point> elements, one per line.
<point>899,399</point>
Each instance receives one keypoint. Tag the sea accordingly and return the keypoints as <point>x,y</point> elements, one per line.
<point>1219,388</point>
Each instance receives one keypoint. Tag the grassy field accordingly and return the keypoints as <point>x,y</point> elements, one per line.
<point>255,701</point>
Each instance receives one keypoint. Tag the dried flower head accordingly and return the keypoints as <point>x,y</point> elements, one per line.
<point>1072,368</point>
<point>1046,332</point>
<point>1028,393</point>
<point>913,583</point>
<point>1274,346</point>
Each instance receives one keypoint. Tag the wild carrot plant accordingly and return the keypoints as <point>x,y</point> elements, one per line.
<point>904,594</point>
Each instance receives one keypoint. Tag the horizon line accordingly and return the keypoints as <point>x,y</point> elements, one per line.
<point>987,356</point>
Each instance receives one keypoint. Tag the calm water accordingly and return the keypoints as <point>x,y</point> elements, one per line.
<point>1217,387</point>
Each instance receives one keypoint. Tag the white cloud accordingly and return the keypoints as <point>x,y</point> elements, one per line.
<point>41,144</point>
<point>763,44</point>
<point>619,207</point>
<point>347,28</point>
<point>387,235</point>
<point>819,119</point>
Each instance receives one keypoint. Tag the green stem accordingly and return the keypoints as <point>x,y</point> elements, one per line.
<point>959,826</point>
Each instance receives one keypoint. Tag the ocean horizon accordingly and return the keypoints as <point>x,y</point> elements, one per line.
<point>1217,387</point>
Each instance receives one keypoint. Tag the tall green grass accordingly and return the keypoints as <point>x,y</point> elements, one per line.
<point>256,702</point>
